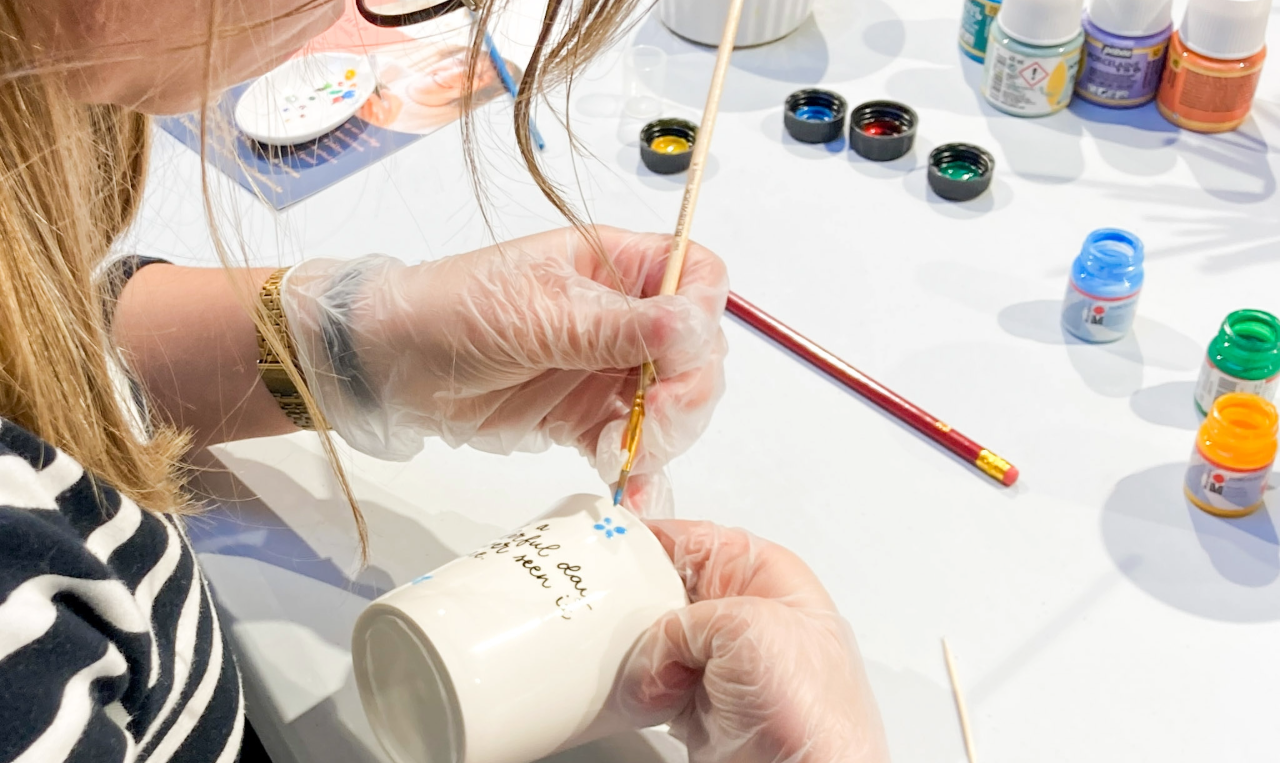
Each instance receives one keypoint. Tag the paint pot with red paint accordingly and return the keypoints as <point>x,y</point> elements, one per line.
<point>882,130</point>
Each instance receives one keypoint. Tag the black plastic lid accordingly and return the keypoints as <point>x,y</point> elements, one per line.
<point>960,171</point>
<point>882,130</point>
<point>815,116</point>
<point>662,162</point>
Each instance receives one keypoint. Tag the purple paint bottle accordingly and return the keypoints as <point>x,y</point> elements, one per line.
<point>1124,50</point>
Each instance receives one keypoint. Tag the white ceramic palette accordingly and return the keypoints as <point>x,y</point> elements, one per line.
<point>305,98</point>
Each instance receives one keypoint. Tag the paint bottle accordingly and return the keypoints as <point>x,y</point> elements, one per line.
<point>975,27</point>
<point>1215,60</point>
<point>1125,42</point>
<point>1234,452</point>
<point>1033,56</point>
<point>1243,357</point>
<point>1106,278</point>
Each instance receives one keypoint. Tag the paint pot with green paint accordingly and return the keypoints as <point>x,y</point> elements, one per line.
<point>960,171</point>
<point>1243,357</point>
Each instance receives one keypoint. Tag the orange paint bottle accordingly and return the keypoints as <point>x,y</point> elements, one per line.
<point>1234,452</point>
<point>1215,60</point>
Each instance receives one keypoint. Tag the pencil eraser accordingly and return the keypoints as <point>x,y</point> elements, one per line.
<point>1010,476</point>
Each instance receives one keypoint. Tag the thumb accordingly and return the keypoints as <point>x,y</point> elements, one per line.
<point>671,659</point>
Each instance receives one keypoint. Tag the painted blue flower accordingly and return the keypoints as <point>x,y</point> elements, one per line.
<point>609,529</point>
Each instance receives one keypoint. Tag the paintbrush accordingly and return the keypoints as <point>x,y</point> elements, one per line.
<point>680,247</point>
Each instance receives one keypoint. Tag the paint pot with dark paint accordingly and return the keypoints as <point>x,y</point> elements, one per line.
<point>882,130</point>
<point>815,116</point>
<point>960,171</point>
<point>666,145</point>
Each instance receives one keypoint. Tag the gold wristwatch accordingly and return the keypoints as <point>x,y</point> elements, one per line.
<point>270,368</point>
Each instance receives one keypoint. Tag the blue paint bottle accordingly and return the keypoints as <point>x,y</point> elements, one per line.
<point>1106,278</point>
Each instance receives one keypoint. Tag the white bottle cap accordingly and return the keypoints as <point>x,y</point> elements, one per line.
<point>1226,29</point>
<point>1132,18</point>
<point>1041,22</point>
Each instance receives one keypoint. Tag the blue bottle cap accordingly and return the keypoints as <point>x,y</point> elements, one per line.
<point>1110,263</point>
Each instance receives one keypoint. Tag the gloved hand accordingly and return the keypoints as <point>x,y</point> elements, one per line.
<point>760,668</point>
<point>516,347</point>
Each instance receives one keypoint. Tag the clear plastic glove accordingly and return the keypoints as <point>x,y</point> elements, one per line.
<point>760,668</point>
<point>516,347</point>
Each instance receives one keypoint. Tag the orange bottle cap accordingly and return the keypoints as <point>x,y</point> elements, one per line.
<point>1240,432</point>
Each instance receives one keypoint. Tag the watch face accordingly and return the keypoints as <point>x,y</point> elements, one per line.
<point>276,379</point>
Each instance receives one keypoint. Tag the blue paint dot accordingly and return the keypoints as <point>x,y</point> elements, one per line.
<point>815,113</point>
<point>621,531</point>
<point>599,527</point>
<point>418,580</point>
<point>349,95</point>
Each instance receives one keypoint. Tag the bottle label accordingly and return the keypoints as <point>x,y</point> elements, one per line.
<point>1098,319</point>
<point>1029,86</point>
<point>1212,487</point>
<point>975,26</point>
<point>1214,384</point>
<point>1206,100</point>
<point>1120,76</point>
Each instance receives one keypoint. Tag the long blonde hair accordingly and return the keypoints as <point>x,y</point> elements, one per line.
<point>72,182</point>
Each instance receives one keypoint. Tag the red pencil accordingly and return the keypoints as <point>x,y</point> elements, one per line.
<point>888,400</point>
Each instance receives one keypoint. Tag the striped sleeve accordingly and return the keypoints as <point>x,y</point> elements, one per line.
<point>110,648</point>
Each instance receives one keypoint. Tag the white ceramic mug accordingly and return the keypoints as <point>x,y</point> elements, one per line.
<point>510,653</point>
<point>702,21</point>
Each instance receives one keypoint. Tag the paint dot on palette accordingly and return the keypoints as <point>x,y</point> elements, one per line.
<point>351,74</point>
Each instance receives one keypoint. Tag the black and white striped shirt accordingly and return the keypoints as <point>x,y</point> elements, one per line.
<point>110,647</point>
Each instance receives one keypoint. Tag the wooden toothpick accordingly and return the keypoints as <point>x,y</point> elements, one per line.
<point>960,705</point>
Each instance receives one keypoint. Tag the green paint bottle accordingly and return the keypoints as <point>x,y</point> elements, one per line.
<point>1243,357</point>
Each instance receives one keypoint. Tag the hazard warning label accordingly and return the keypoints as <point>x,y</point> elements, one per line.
<point>1034,74</point>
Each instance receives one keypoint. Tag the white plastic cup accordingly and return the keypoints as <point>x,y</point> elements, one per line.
<point>644,78</point>
<point>510,653</point>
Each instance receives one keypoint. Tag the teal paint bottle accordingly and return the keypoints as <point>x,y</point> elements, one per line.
<point>975,27</point>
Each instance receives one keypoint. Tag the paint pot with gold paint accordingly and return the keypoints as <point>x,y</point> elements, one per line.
<point>666,145</point>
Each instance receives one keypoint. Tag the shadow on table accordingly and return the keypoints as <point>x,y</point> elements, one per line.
<point>828,47</point>
<point>914,707</point>
<point>1112,369</point>
<point>1170,405</point>
<point>239,523</point>
<point>1220,569</point>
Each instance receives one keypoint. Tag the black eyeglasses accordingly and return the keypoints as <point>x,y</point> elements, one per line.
<point>393,13</point>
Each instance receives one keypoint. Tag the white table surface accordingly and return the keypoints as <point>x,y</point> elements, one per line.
<point>1093,615</point>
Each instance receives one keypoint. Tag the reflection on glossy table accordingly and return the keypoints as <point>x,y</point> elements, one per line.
<point>1093,615</point>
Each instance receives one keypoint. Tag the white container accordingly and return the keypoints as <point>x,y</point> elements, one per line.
<point>510,653</point>
<point>702,21</point>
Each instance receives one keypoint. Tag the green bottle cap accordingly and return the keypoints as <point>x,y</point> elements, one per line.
<point>1248,345</point>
